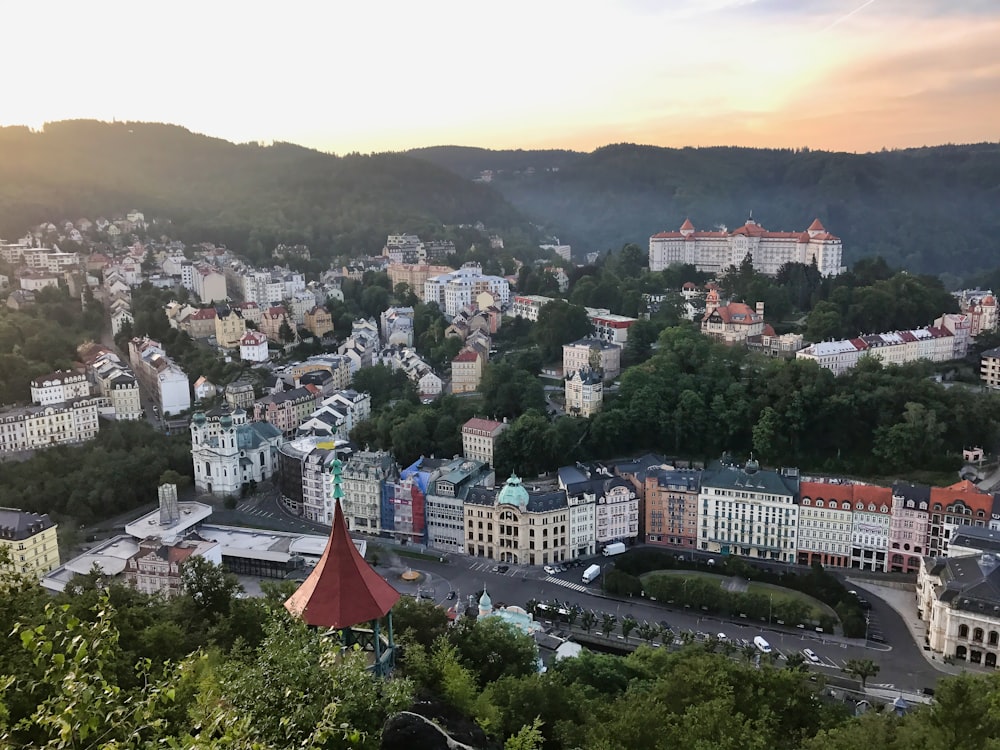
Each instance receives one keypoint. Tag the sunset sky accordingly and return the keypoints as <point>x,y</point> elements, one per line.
<point>854,75</point>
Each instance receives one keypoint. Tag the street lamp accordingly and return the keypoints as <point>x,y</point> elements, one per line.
<point>868,619</point>
<point>770,606</point>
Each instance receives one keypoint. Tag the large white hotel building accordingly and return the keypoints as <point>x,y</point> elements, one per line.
<point>715,251</point>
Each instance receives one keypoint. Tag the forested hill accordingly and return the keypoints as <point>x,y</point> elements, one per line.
<point>241,195</point>
<point>930,210</point>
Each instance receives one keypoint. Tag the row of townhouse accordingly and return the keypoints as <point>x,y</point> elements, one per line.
<point>113,379</point>
<point>32,427</point>
<point>776,515</point>
<point>607,326</point>
<point>947,339</point>
<point>428,382</point>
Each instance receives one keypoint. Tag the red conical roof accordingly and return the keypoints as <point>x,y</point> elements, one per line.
<point>816,226</point>
<point>687,225</point>
<point>343,590</point>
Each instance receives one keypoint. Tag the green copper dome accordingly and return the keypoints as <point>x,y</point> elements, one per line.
<point>513,493</point>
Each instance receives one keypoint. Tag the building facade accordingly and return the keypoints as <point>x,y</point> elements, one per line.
<point>591,354</point>
<point>448,486</point>
<point>584,393</point>
<point>826,523</point>
<point>59,386</point>
<point>466,371</point>
<point>517,526</point>
<point>479,439</point>
<point>30,541</point>
<point>671,507</point>
<point>749,512</point>
<point>715,251</point>
<point>228,451</point>
<point>366,474</point>
<point>909,529</point>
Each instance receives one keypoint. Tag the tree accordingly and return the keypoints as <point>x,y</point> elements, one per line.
<point>796,662</point>
<point>418,621</point>
<point>628,625</point>
<point>587,620</point>
<point>559,323</point>
<point>209,586</point>
<point>491,648</point>
<point>862,669</point>
<point>285,332</point>
<point>608,622</point>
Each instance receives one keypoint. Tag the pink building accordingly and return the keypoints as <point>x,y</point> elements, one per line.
<point>909,532</point>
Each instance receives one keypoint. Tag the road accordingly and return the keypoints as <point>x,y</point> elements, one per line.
<point>902,666</point>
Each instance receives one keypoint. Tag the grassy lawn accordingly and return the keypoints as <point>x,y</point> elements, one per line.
<point>817,608</point>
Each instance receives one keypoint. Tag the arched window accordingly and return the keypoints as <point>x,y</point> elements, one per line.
<point>859,506</point>
<point>846,506</point>
<point>806,501</point>
<point>819,503</point>
<point>977,635</point>
<point>963,631</point>
<point>885,509</point>
<point>871,507</point>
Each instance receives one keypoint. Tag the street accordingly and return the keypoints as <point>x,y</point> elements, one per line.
<point>902,666</point>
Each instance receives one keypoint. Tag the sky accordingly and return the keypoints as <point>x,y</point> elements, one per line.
<point>389,75</point>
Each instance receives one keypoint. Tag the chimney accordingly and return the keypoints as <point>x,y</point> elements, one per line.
<point>760,309</point>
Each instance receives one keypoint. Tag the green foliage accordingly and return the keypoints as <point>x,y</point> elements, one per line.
<point>491,648</point>
<point>559,323</point>
<point>509,392</point>
<point>115,472</point>
<point>248,197</point>
<point>532,445</point>
<point>418,621</point>
<point>41,339</point>
<point>861,668</point>
<point>888,203</point>
<point>384,385</point>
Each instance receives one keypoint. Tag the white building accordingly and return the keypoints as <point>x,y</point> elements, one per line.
<point>119,319</point>
<point>617,512</point>
<point>365,474</point>
<point>209,283</point>
<point>34,427</point>
<point>479,439</point>
<point>164,381</point>
<point>870,530</point>
<point>715,251</point>
<point>59,386</point>
<point>897,347</point>
<point>253,347</point>
<point>750,512</point>
<point>448,486</point>
<point>957,599</point>
<point>826,523</point>
<point>527,306</point>
<point>457,289</point>
<point>229,452</point>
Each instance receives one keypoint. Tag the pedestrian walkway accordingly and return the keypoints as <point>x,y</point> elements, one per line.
<point>567,584</point>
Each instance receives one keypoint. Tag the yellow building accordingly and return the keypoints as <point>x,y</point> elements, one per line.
<point>30,542</point>
<point>318,321</point>
<point>466,371</point>
<point>229,327</point>
<point>517,526</point>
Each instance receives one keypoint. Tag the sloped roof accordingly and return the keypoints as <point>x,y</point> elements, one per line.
<point>342,590</point>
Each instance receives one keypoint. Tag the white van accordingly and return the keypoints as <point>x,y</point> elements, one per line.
<point>763,646</point>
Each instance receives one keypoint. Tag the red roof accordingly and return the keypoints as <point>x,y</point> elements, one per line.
<point>816,226</point>
<point>466,355</point>
<point>726,312</point>
<point>486,425</point>
<point>342,590</point>
<point>687,225</point>
<point>207,313</point>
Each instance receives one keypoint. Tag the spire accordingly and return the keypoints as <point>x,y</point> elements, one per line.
<point>687,227</point>
<point>816,228</point>
<point>342,590</point>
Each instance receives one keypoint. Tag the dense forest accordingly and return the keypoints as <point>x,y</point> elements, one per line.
<point>104,666</point>
<point>249,197</point>
<point>928,210</point>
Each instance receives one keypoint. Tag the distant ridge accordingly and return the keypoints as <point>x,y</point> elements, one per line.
<point>929,210</point>
<point>246,196</point>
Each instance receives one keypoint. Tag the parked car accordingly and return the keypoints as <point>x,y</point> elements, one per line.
<point>550,570</point>
<point>811,655</point>
<point>451,595</point>
<point>503,568</point>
